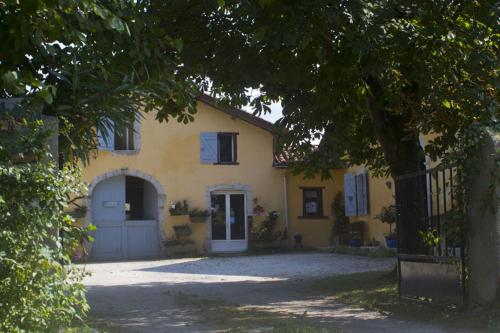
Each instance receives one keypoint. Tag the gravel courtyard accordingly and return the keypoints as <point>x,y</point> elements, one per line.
<point>202,294</point>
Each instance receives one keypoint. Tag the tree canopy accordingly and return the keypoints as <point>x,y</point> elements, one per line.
<point>88,62</point>
<point>369,76</point>
<point>366,76</point>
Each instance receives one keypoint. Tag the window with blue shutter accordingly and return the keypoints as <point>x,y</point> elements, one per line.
<point>208,147</point>
<point>218,148</point>
<point>350,194</point>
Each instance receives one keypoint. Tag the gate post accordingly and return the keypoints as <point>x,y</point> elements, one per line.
<point>482,230</point>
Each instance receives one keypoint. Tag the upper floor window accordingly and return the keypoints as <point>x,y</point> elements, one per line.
<point>227,147</point>
<point>218,148</point>
<point>124,138</point>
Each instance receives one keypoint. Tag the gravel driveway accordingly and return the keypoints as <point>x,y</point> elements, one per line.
<point>185,295</point>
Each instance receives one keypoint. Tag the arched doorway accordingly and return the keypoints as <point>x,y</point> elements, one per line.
<point>127,211</point>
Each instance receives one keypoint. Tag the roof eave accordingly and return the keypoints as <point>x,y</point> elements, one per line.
<point>237,113</point>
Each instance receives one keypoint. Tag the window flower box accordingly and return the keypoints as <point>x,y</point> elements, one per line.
<point>199,216</point>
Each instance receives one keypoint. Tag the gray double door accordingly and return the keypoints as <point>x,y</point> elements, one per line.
<point>115,237</point>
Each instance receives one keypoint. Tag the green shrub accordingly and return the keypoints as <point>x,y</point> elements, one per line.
<point>40,290</point>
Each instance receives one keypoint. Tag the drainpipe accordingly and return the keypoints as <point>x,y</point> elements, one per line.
<point>285,197</point>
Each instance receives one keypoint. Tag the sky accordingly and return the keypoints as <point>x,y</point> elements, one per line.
<point>273,116</point>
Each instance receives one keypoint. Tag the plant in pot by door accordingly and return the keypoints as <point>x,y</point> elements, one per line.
<point>178,208</point>
<point>298,240</point>
<point>355,242</point>
<point>180,247</point>
<point>388,215</point>
<point>264,236</point>
<point>340,220</point>
<point>182,230</point>
<point>198,215</point>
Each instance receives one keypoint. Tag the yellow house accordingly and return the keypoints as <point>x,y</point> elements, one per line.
<point>222,163</point>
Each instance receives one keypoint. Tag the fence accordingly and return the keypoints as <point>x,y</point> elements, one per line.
<point>431,242</point>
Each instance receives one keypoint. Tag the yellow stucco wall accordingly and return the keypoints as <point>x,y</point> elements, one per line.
<point>318,232</point>
<point>315,232</point>
<point>170,152</point>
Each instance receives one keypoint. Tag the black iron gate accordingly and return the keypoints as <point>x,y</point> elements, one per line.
<point>431,242</point>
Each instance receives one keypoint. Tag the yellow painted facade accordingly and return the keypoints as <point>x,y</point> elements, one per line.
<point>318,232</point>
<point>170,154</point>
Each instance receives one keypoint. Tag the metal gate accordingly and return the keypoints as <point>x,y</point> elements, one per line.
<point>431,242</point>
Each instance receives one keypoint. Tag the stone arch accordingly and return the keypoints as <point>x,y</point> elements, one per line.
<point>161,197</point>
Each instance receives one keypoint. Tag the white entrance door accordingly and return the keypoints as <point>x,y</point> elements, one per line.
<point>115,237</point>
<point>229,227</point>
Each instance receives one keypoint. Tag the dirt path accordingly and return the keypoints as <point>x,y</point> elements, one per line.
<point>234,294</point>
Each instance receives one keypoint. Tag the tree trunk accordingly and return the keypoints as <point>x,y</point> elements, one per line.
<point>404,155</point>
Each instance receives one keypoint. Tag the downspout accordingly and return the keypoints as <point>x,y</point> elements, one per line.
<point>285,197</point>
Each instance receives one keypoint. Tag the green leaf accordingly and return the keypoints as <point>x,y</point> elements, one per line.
<point>9,78</point>
<point>116,23</point>
<point>447,104</point>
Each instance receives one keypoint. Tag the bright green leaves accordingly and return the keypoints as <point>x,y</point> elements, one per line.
<point>104,59</point>
<point>40,291</point>
<point>447,104</point>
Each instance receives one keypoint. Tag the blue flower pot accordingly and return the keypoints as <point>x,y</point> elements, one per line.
<point>391,243</point>
<point>355,243</point>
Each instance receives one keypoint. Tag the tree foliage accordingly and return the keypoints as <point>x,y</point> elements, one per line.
<point>368,76</point>
<point>39,288</point>
<point>88,62</point>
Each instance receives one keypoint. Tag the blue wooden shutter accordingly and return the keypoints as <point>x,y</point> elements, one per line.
<point>208,147</point>
<point>362,193</point>
<point>350,194</point>
<point>106,140</point>
<point>137,132</point>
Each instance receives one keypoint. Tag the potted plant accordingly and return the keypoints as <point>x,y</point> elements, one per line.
<point>388,215</point>
<point>198,215</point>
<point>264,235</point>
<point>180,247</point>
<point>179,208</point>
<point>257,209</point>
<point>355,242</point>
<point>340,220</point>
<point>298,240</point>
<point>182,230</point>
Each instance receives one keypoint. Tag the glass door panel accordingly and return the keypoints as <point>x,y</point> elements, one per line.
<point>219,229</point>
<point>237,216</point>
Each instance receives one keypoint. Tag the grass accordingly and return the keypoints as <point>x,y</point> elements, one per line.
<point>380,252</point>
<point>378,292</point>
<point>91,326</point>
<point>231,318</point>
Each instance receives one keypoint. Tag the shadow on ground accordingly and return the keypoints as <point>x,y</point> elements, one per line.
<point>237,306</point>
